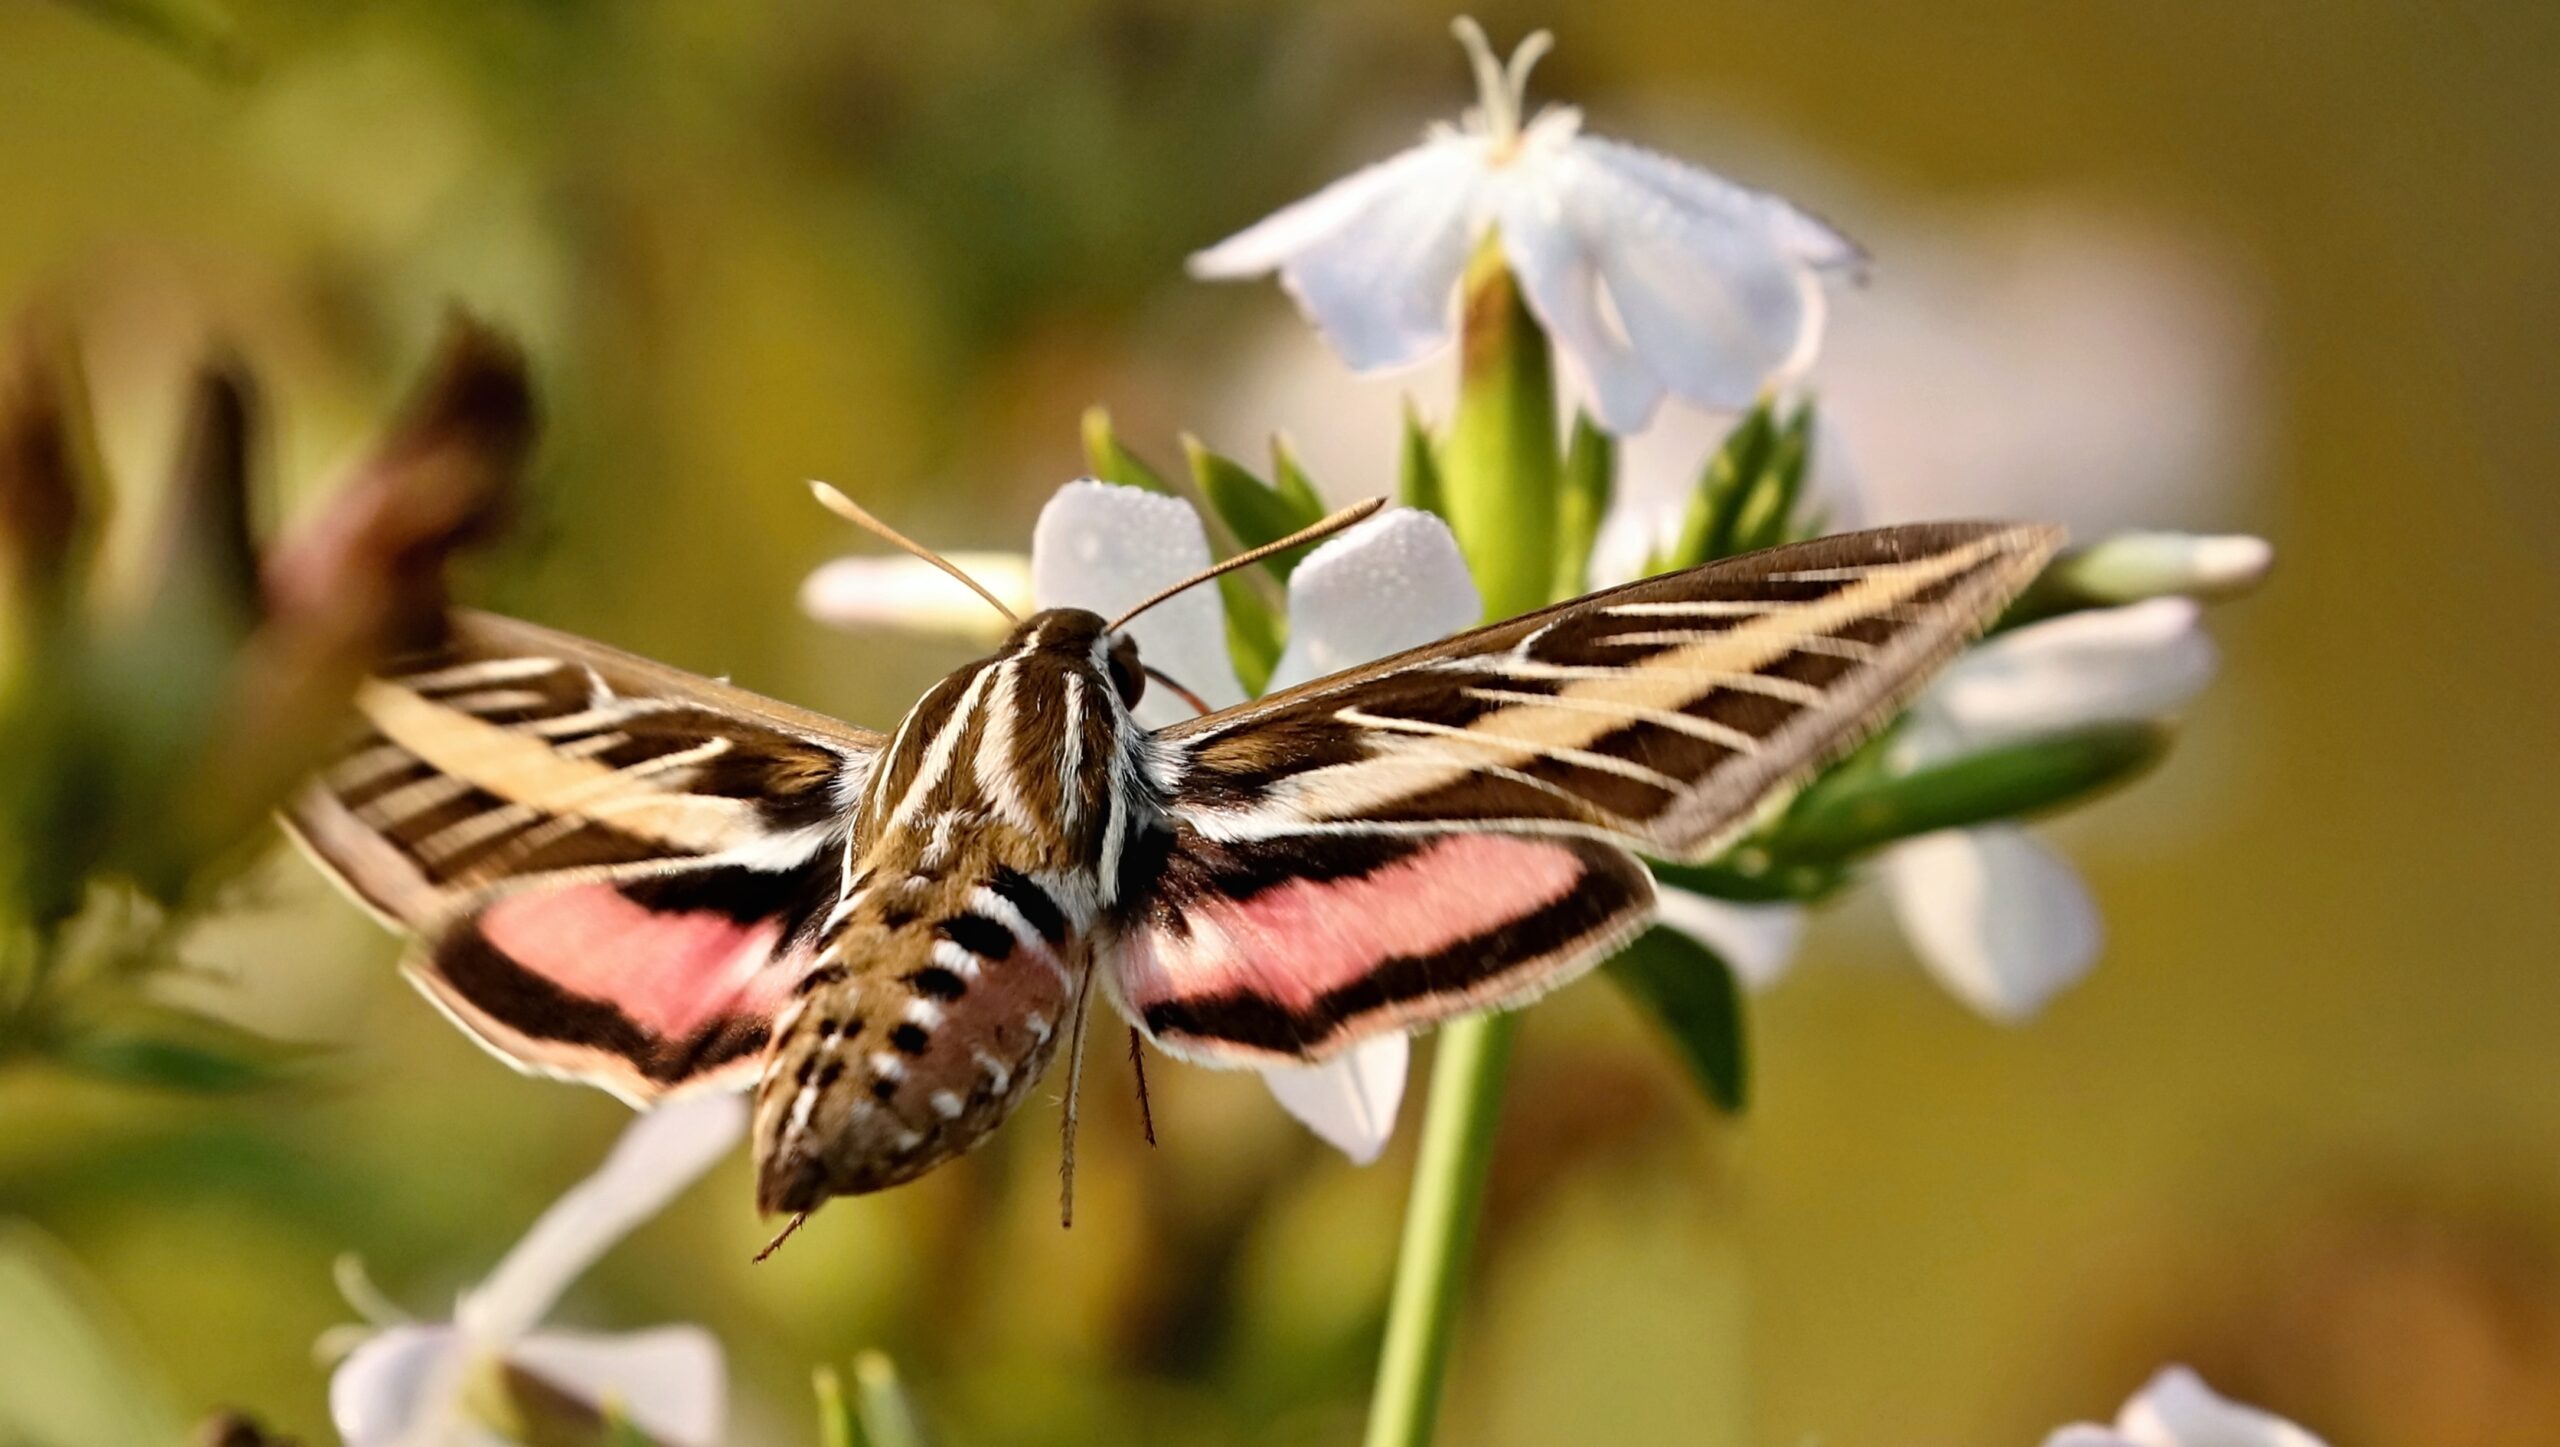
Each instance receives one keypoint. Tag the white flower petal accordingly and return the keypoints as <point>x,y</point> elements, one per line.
<point>2002,921</point>
<point>2178,1410</point>
<point>2109,665</point>
<point>1374,258</point>
<point>1801,235</point>
<point>1350,1101</point>
<point>1561,281</point>
<point>661,1153</point>
<point>393,1381</point>
<point>1758,940</point>
<point>1106,548</point>
<point>669,1380</point>
<point>1394,582</point>
<point>910,593</point>
<point>1711,303</point>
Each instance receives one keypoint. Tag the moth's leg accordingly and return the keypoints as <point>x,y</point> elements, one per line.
<point>1075,1086</point>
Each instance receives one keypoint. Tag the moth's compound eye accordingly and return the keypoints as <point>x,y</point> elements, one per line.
<point>1126,675</point>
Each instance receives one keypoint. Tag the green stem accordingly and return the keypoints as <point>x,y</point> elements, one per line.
<point>1440,1227</point>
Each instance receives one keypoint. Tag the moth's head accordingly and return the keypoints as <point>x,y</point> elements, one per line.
<point>1082,640</point>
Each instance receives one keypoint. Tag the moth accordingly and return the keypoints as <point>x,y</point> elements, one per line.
<point>619,873</point>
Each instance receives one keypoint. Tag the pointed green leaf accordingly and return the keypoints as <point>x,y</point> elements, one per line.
<point>1296,488</point>
<point>1112,462</point>
<point>1255,631</point>
<point>837,1425</point>
<point>1707,530</point>
<point>1692,995</point>
<point>1765,516</point>
<point>889,1415</point>
<point>1255,512</point>
<point>1418,466</point>
<point>1590,481</point>
<point>1750,874</point>
<point>1841,821</point>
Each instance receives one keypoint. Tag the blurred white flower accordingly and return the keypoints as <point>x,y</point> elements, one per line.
<point>1390,583</point>
<point>406,1385</point>
<point>1652,276</point>
<point>2178,1410</point>
<point>2001,921</point>
<point>870,591</point>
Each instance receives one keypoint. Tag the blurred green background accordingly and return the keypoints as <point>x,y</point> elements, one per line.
<point>2302,1128</point>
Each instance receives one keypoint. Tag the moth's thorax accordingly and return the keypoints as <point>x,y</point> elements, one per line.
<point>985,851</point>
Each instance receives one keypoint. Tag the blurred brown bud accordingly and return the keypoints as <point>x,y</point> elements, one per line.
<point>370,569</point>
<point>40,452</point>
<point>208,557</point>
<point>227,1428</point>
<point>364,580</point>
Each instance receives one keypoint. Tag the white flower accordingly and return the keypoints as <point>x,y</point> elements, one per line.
<point>867,591</point>
<point>1652,276</point>
<point>2001,921</point>
<point>2178,1410</point>
<point>1390,583</point>
<point>403,1387</point>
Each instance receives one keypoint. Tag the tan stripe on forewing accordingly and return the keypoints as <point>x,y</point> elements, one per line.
<point>1675,679</point>
<point>523,769</point>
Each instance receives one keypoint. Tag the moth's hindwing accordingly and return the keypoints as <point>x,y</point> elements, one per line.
<point>1446,829</point>
<point>610,866</point>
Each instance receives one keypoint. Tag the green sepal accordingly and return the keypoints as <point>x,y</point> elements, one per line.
<point>1501,466</point>
<point>145,1043</point>
<point>1418,466</point>
<point>837,1424</point>
<point>1841,818</point>
<point>1582,503</point>
<point>1112,462</point>
<point>1692,996</point>
<point>1253,510</point>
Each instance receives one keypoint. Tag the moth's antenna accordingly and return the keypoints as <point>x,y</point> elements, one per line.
<point>853,512</point>
<point>1323,529</point>
<point>1067,1121</point>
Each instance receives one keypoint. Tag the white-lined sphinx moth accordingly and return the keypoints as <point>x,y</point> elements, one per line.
<point>627,875</point>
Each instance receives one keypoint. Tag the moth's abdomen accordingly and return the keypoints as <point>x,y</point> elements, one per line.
<point>923,1025</point>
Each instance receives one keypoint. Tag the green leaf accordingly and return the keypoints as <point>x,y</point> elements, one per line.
<point>1112,462</point>
<point>1418,466</point>
<point>1765,515</point>
<point>1838,820</point>
<point>1707,529</point>
<point>1750,874</point>
<point>1692,995</point>
<point>1253,510</point>
<point>837,1425</point>
<point>1255,631</point>
<point>889,1415</point>
<point>1590,480</point>
<point>134,1041</point>
<point>1296,488</point>
<point>1501,469</point>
